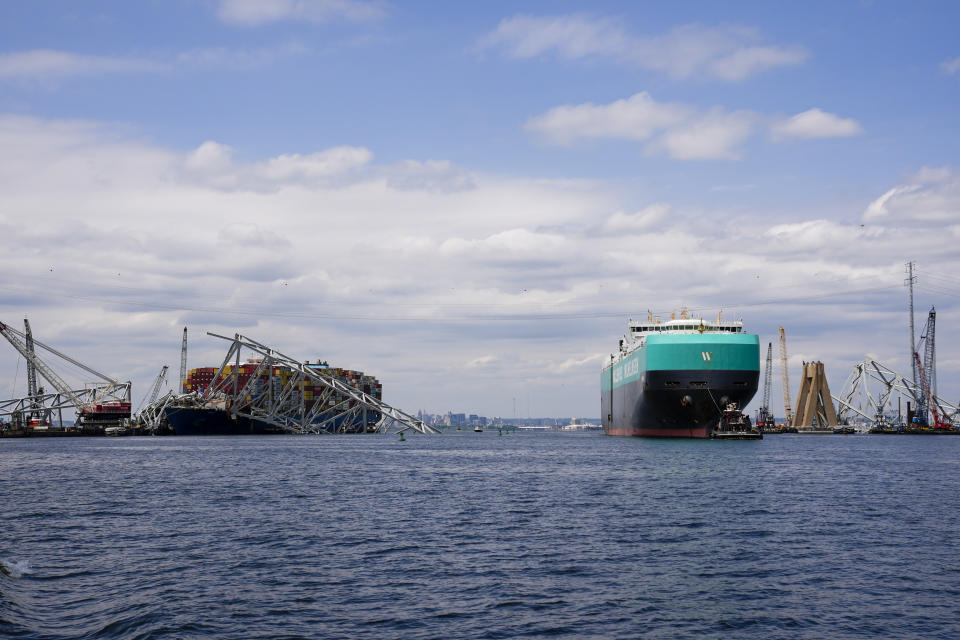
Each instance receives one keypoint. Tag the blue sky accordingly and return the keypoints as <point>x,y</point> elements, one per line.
<point>480,193</point>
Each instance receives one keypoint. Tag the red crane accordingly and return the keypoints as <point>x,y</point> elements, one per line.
<point>928,396</point>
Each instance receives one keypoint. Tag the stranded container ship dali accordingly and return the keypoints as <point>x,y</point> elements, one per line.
<point>677,378</point>
<point>211,418</point>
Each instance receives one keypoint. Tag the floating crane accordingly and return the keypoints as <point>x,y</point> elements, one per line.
<point>928,340</point>
<point>787,411</point>
<point>763,415</point>
<point>36,415</point>
<point>98,405</point>
<point>929,400</point>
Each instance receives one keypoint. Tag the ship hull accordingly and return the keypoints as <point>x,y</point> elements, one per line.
<point>205,421</point>
<point>646,407</point>
<point>195,421</point>
<point>677,386</point>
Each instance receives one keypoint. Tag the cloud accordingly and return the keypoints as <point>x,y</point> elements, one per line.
<point>252,236</point>
<point>52,63</point>
<point>295,167</point>
<point>212,164</point>
<point>678,130</point>
<point>950,66</point>
<point>249,13</point>
<point>639,221</point>
<point>576,363</point>
<point>327,253</point>
<point>433,175</point>
<point>717,135</point>
<point>814,123</point>
<point>931,197</point>
<point>728,53</point>
<point>233,58</point>
<point>635,118</point>
<point>483,362</point>
<point>515,245</point>
<point>48,63</point>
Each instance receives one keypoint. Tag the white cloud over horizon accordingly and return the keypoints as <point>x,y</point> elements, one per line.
<point>951,66</point>
<point>635,118</point>
<point>249,13</point>
<point>812,124</point>
<point>419,271</point>
<point>727,53</point>
<point>53,63</point>
<point>931,197</point>
<point>681,131</point>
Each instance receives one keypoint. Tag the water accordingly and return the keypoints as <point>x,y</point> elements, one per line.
<point>469,535</point>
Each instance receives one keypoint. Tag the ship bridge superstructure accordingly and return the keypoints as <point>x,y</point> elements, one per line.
<point>679,324</point>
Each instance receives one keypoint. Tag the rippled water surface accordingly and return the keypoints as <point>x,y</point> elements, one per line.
<point>469,535</point>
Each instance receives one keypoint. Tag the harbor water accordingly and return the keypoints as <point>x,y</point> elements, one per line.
<point>475,535</point>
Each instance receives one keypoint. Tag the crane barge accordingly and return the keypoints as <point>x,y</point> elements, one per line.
<point>98,406</point>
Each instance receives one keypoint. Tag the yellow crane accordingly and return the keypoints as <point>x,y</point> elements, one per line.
<point>787,411</point>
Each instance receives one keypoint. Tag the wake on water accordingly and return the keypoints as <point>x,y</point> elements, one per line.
<point>14,568</point>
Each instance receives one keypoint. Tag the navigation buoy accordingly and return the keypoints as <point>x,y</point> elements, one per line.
<point>402,439</point>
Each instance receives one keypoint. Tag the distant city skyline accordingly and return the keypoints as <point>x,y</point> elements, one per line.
<point>469,201</point>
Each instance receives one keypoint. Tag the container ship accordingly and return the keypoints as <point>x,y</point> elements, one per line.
<point>678,378</point>
<point>194,416</point>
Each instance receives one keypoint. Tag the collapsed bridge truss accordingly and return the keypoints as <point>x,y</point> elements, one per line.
<point>870,389</point>
<point>279,400</point>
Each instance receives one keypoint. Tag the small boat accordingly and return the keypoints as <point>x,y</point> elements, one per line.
<point>478,429</point>
<point>116,431</point>
<point>735,425</point>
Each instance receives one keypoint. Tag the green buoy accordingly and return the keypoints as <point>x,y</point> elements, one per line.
<point>402,439</point>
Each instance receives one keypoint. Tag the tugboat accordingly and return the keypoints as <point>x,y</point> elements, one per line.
<point>735,425</point>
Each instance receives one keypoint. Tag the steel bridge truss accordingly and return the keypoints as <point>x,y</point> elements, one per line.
<point>151,417</point>
<point>870,389</point>
<point>279,401</point>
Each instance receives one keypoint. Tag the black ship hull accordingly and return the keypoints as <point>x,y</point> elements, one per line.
<point>672,404</point>
<point>195,421</point>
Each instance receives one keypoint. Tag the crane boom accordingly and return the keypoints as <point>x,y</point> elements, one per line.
<point>7,329</point>
<point>787,410</point>
<point>768,373</point>
<point>183,363</point>
<point>930,351</point>
<point>155,387</point>
<point>31,369</point>
<point>14,337</point>
<point>928,397</point>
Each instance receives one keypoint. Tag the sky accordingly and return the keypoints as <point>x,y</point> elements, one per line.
<point>470,200</point>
